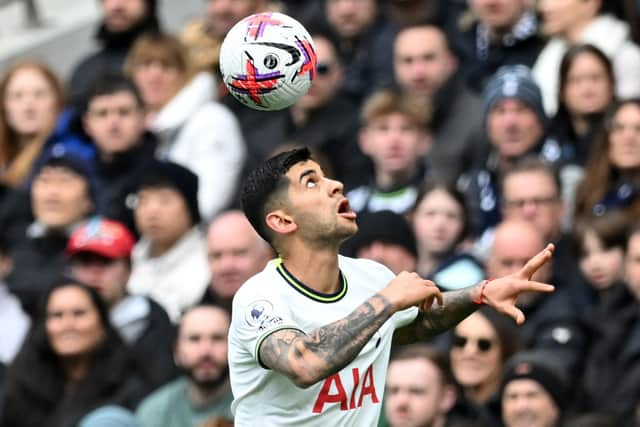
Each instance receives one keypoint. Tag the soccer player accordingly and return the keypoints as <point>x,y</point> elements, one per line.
<point>310,335</point>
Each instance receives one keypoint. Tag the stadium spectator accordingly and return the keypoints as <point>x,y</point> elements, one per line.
<point>426,67</point>
<point>203,36</point>
<point>586,88</point>
<point>100,256</point>
<point>497,33</point>
<point>364,38</point>
<point>420,389</point>
<point>203,391</point>
<point>62,194</point>
<point>170,259</point>
<point>573,22</point>
<point>14,322</point>
<point>532,191</point>
<point>123,21</point>
<point>612,176</point>
<point>553,321</point>
<point>386,237</point>
<point>192,129</point>
<point>235,253</point>
<point>515,125</point>
<point>72,361</point>
<point>611,375</point>
<point>441,224</point>
<point>31,120</point>
<point>534,391</point>
<point>394,135</point>
<point>114,120</point>
<point>480,346</point>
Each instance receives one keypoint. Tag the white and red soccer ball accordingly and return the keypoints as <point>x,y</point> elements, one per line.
<point>267,61</point>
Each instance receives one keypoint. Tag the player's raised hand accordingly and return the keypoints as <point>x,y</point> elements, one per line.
<point>409,289</point>
<point>502,293</point>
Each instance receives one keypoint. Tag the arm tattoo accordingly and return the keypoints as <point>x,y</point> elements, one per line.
<point>325,350</point>
<point>439,318</point>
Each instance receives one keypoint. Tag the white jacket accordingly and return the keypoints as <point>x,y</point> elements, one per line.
<point>176,280</point>
<point>204,136</point>
<point>608,34</point>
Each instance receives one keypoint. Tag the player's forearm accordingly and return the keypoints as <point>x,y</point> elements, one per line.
<point>439,318</point>
<point>326,350</point>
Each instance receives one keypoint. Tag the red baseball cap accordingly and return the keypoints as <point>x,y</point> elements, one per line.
<point>104,237</point>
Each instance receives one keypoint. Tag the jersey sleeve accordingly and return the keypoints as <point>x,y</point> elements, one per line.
<point>256,316</point>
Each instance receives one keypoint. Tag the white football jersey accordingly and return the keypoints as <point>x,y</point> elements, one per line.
<point>274,300</point>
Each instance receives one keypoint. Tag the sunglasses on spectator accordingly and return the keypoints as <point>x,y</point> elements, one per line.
<point>323,68</point>
<point>482,344</point>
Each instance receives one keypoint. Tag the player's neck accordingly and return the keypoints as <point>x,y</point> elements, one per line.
<point>317,269</point>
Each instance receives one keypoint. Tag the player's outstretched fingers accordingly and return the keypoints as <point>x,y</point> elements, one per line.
<point>515,313</point>
<point>537,261</point>
<point>532,286</point>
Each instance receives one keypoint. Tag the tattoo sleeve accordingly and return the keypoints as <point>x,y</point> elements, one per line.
<point>439,318</point>
<point>308,358</point>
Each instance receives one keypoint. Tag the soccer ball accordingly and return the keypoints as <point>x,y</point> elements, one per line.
<point>268,61</point>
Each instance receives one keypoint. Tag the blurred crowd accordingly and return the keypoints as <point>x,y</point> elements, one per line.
<point>468,134</point>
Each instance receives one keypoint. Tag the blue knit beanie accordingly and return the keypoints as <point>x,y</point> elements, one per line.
<point>514,81</point>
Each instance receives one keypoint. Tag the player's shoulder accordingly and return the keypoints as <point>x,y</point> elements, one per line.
<point>364,266</point>
<point>260,284</point>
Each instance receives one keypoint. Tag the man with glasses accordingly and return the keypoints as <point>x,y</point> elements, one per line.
<point>114,120</point>
<point>532,191</point>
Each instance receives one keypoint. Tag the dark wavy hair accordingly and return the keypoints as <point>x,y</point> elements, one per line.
<point>429,186</point>
<point>36,380</point>
<point>600,174</point>
<point>567,63</point>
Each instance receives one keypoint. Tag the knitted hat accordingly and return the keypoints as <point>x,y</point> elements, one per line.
<point>514,81</point>
<point>540,367</point>
<point>386,227</point>
<point>109,416</point>
<point>59,155</point>
<point>159,173</point>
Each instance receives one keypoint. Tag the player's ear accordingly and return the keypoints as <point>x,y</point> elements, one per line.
<point>280,222</point>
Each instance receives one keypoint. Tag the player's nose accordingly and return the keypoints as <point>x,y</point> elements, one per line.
<point>335,186</point>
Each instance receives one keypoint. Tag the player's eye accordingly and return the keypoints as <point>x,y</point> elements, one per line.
<point>311,183</point>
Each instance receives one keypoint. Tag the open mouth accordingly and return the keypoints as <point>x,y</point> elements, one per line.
<point>344,209</point>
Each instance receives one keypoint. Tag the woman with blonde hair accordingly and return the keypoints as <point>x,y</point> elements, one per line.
<point>192,128</point>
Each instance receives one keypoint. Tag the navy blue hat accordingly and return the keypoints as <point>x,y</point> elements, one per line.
<point>514,81</point>
<point>159,173</point>
<point>59,155</point>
